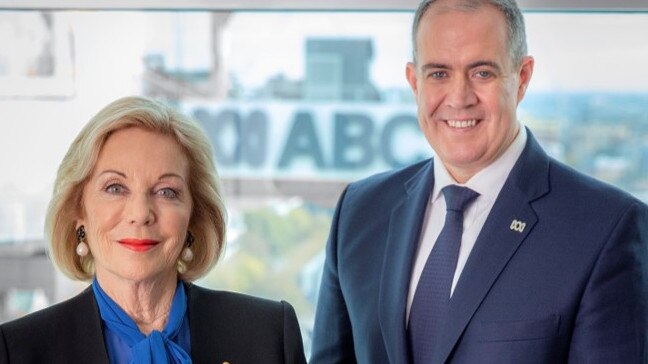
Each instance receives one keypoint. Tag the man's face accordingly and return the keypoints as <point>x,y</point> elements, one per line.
<point>466,86</point>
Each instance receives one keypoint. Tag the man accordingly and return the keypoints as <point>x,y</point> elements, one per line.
<point>549,266</point>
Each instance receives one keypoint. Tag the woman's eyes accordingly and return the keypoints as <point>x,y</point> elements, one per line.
<point>166,192</point>
<point>115,189</point>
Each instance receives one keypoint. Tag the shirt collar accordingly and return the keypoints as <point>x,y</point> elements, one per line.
<point>489,181</point>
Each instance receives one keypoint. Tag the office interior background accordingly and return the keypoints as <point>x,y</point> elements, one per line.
<point>299,98</point>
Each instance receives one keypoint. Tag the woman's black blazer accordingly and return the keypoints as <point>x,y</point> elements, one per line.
<point>225,327</point>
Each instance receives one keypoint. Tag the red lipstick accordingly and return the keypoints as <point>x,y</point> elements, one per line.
<point>138,245</point>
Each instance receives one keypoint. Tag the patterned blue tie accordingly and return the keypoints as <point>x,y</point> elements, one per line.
<point>432,296</point>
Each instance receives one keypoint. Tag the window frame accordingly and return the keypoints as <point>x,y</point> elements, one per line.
<point>378,5</point>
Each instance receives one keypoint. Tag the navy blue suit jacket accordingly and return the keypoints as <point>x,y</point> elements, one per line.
<point>571,287</point>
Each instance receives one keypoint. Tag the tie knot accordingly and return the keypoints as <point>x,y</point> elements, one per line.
<point>457,197</point>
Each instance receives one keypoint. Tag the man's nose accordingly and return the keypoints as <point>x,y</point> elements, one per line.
<point>461,94</point>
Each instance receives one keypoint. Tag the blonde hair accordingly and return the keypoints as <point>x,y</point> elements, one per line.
<point>207,222</point>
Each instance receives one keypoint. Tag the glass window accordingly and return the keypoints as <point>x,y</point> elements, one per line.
<point>297,105</point>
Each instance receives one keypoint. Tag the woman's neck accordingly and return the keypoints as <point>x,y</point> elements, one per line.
<point>147,302</point>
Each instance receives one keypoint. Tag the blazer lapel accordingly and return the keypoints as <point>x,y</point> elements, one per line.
<point>201,324</point>
<point>497,242</point>
<point>89,333</point>
<point>402,242</point>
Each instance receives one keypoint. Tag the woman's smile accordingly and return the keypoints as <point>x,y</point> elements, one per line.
<point>138,245</point>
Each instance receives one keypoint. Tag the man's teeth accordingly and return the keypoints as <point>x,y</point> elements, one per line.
<point>462,123</point>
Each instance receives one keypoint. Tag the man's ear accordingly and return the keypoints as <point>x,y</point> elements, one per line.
<point>412,77</point>
<point>526,71</point>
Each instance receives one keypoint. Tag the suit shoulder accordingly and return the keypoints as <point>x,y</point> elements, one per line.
<point>386,181</point>
<point>239,303</point>
<point>586,188</point>
<point>47,320</point>
<point>248,316</point>
<point>68,332</point>
<point>243,328</point>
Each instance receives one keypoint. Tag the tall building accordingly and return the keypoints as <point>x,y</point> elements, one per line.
<point>338,69</point>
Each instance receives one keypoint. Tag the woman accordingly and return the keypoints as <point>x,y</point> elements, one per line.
<point>137,210</point>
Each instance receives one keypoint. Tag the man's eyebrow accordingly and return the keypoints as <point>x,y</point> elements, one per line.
<point>485,63</point>
<point>475,64</point>
<point>433,65</point>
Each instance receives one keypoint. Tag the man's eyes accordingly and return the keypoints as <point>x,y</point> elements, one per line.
<point>484,74</point>
<point>437,74</point>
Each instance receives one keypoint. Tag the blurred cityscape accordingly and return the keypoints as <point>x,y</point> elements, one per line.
<point>285,149</point>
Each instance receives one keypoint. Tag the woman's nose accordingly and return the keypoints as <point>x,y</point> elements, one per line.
<point>140,210</point>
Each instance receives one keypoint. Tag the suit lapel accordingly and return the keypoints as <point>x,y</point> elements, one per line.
<point>497,241</point>
<point>88,331</point>
<point>201,324</point>
<point>402,242</point>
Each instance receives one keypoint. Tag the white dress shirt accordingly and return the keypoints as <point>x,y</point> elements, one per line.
<point>488,183</point>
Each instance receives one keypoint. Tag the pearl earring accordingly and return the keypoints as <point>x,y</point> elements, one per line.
<point>82,248</point>
<point>187,253</point>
